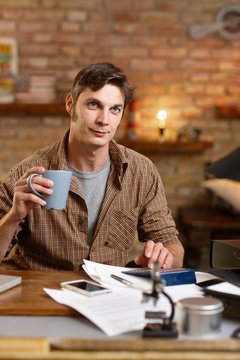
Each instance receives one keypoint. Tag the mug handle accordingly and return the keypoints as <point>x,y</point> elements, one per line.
<point>31,188</point>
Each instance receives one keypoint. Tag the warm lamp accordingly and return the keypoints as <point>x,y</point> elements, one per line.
<point>162,120</point>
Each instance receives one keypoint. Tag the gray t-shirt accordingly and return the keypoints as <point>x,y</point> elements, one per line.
<point>93,187</point>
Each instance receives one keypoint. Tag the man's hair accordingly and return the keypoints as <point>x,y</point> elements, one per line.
<point>95,76</point>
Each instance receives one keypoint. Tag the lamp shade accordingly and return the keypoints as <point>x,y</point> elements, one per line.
<point>228,167</point>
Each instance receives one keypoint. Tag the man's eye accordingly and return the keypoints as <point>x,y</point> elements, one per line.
<point>116,110</point>
<point>92,105</point>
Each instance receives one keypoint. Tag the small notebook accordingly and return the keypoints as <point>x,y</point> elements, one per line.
<point>9,281</point>
<point>171,276</point>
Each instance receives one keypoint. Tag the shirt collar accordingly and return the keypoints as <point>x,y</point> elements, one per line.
<point>61,153</point>
<point>117,154</point>
<point>119,158</point>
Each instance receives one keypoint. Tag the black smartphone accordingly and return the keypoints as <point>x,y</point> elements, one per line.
<point>84,287</point>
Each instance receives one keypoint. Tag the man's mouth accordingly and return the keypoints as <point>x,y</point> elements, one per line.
<point>99,133</point>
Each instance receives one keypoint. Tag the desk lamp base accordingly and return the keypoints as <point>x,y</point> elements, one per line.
<point>165,327</point>
<point>164,330</point>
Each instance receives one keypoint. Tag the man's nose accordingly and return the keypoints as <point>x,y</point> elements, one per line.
<point>103,117</point>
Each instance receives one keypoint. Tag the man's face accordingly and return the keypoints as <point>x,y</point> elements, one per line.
<point>96,115</point>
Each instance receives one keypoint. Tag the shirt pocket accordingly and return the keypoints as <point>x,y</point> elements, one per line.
<point>122,228</point>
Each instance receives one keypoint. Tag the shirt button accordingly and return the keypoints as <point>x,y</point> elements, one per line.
<point>106,243</point>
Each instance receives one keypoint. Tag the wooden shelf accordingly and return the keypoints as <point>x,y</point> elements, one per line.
<point>32,109</point>
<point>228,112</point>
<point>142,146</point>
<point>59,109</point>
<point>154,147</point>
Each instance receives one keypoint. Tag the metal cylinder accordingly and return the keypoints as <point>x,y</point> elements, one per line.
<point>199,315</point>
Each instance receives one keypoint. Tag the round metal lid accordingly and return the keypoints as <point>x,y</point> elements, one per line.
<point>200,304</point>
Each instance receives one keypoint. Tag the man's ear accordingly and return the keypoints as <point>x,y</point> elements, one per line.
<point>69,104</point>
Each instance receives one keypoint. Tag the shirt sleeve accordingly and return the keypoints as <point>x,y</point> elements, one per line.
<point>6,199</point>
<point>156,222</point>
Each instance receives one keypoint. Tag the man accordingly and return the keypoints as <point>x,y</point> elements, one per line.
<point>115,192</point>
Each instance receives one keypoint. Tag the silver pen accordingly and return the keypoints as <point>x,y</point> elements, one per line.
<point>123,281</point>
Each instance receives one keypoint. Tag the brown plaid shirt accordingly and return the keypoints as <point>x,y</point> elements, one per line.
<point>134,202</point>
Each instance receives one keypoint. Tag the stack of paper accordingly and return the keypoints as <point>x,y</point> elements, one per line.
<point>123,309</point>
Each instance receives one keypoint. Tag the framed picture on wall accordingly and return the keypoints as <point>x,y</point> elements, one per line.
<point>8,69</point>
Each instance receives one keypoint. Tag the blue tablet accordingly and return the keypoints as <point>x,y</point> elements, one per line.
<point>170,276</point>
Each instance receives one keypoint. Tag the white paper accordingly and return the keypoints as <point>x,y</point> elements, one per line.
<point>226,288</point>
<point>122,310</point>
<point>203,276</point>
<point>114,313</point>
<point>102,274</point>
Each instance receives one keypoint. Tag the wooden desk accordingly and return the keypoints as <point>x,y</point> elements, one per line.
<point>29,298</point>
<point>22,300</point>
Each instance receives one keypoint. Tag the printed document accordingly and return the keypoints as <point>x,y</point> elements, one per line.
<point>123,309</point>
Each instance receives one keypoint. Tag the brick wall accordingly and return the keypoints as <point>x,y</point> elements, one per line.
<point>150,40</point>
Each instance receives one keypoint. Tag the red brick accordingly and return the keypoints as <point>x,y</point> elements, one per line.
<point>150,40</point>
